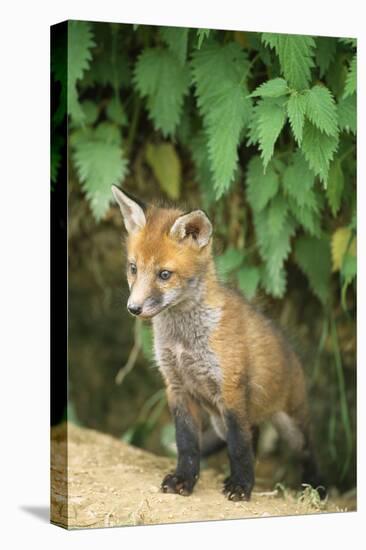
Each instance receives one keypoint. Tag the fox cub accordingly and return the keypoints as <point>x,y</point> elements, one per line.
<point>214,350</point>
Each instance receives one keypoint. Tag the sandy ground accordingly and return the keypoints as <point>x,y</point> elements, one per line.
<point>110,483</point>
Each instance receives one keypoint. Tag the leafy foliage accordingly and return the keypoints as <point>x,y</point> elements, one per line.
<point>321,110</point>
<point>99,164</point>
<point>296,54</point>
<point>296,108</point>
<point>212,103</point>
<point>160,79</point>
<point>219,73</point>
<point>307,249</point>
<point>351,83</point>
<point>80,43</point>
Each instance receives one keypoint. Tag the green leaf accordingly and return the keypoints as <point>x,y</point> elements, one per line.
<point>99,164</point>
<point>298,181</point>
<point>349,269</point>
<point>165,164</point>
<point>228,262</point>
<point>202,34</point>
<point>296,53</point>
<point>313,257</point>
<point>272,88</point>
<point>308,216</point>
<point>296,107</point>
<point>274,249</point>
<point>321,110</point>
<point>335,186</point>
<point>318,149</point>
<point>164,82</point>
<point>347,115</point>
<point>352,42</point>
<point>177,40</point>
<point>80,44</point>
<point>201,161</point>
<point>261,187</point>
<point>351,79</point>
<point>248,280</point>
<point>116,113</point>
<point>325,53</point>
<point>271,115</point>
<point>219,75</point>
<point>277,214</point>
<point>90,110</point>
<point>275,286</point>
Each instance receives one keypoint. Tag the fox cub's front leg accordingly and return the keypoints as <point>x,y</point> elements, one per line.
<point>239,484</point>
<point>187,429</point>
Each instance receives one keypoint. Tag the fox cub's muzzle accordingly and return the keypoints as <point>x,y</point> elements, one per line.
<point>135,310</point>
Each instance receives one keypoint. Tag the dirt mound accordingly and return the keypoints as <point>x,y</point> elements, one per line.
<point>111,483</point>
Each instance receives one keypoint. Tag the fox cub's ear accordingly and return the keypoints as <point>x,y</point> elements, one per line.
<point>195,225</point>
<point>132,212</point>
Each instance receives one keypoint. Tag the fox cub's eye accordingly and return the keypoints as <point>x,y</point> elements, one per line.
<point>165,274</point>
<point>133,269</point>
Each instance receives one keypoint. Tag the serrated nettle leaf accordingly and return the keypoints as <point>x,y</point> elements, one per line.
<point>80,44</point>
<point>108,132</point>
<point>177,40</point>
<point>116,112</point>
<point>335,186</point>
<point>307,215</point>
<point>202,34</point>
<point>318,149</point>
<point>274,248</point>
<point>274,285</point>
<point>352,42</point>
<point>349,269</point>
<point>296,107</point>
<point>261,187</point>
<point>351,79</point>
<point>343,244</point>
<point>272,88</point>
<point>248,280</point>
<point>277,213</point>
<point>219,73</point>
<point>199,152</point>
<point>271,119</point>
<point>90,110</point>
<point>164,82</point>
<point>296,53</point>
<point>165,164</point>
<point>99,165</point>
<point>321,110</point>
<point>230,260</point>
<point>347,114</point>
<point>270,39</point>
<point>298,181</point>
<point>80,41</point>
<point>313,257</point>
<point>325,53</point>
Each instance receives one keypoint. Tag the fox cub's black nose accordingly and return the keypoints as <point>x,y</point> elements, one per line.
<point>135,310</point>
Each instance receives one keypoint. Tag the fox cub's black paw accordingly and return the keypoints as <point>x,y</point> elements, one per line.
<point>235,489</point>
<point>175,483</point>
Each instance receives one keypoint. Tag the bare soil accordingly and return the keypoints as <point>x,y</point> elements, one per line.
<point>99,481</point>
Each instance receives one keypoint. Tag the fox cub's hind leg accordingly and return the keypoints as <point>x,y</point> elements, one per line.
<point>294,428</point>
<point>187,429</point>
<point>239,484</point>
